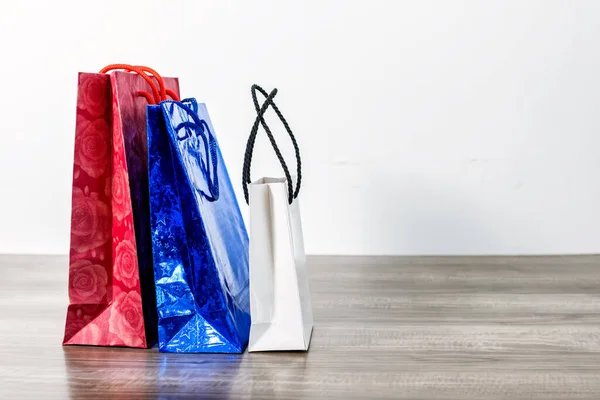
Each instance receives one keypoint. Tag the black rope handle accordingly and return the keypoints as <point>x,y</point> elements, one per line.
<point>260,110</point>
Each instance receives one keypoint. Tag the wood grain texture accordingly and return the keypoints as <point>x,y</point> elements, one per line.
<point>385,327</point>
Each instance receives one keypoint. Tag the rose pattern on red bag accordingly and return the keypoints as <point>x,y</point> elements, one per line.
<point>87,282</point>
<point>90,221</point>
<point>92,96</point>
<point>125,266</point>
<point>126,321</point>
<point>121,200</point>
<point>92,147</point>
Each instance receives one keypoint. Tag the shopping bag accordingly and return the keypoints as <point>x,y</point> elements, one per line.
<point>280,302</point>
<point>199,241</point>
<point>111,289</point>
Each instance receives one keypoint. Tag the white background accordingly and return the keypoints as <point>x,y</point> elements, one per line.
<point>426,127</point>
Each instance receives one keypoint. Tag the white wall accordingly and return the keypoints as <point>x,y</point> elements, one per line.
<point>427,127</point>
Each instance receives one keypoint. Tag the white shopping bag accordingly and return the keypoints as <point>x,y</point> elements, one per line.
<point>280,305</point>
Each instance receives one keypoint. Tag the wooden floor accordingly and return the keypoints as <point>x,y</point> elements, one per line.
<point>397,328</point>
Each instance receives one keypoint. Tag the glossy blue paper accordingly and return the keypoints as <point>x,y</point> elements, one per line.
<point>199,241</point>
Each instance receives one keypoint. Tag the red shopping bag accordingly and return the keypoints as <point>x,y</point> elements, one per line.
<point>111,287</point>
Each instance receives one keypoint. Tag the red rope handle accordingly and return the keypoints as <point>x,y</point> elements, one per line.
<point>163,91</point>
<point>127,67</point>
<point>161,83</point>
<point>172,94</point>
<point>142,71</point>
<point>146,95</point>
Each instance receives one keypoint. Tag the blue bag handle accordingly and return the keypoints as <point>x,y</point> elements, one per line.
<point>200,128</point>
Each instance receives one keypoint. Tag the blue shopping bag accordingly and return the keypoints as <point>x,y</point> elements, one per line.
<point>199,241</point>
